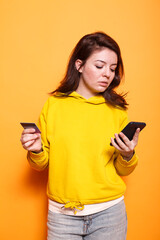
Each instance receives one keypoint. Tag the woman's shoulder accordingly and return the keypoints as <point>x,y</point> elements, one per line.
<point>118,110</point>
<point>49,103</point>
<point>52,100</point>
<point>120,114</point>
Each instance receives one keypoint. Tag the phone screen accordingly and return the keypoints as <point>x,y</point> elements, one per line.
<point>30,125</point>
<point>130,129</point>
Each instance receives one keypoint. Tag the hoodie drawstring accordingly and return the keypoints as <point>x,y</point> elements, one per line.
<point>76,206</point>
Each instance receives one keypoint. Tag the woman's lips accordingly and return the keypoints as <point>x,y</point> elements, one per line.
<point>103,84</point>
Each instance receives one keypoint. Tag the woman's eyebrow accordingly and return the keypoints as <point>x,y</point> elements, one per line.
<point>105,62</point>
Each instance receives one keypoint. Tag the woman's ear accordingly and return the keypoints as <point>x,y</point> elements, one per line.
<point>78,64</point>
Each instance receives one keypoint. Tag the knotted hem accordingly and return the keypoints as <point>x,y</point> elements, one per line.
<point>75,206</point>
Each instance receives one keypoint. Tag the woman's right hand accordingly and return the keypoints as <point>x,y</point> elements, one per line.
<point>31,141</point>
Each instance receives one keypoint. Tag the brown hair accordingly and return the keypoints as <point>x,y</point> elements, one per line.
<point>84,48</point>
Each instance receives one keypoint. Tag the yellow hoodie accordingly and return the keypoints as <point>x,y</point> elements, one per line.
<point>76,133</point>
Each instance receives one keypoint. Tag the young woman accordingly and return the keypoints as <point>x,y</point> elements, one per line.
<point>78,122</point>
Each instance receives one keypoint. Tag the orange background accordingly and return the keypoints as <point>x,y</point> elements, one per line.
<point>37,38</point>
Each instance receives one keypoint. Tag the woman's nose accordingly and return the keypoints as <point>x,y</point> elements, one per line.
<point>106,72</point>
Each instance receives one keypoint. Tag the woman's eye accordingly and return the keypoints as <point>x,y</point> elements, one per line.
<point>99,67</point>
<point>113,70</point>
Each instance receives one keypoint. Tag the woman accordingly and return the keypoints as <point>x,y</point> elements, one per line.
<point>78,123</point>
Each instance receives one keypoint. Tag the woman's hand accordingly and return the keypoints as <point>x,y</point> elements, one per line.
<point>126,147</point>
<point>31,141</point>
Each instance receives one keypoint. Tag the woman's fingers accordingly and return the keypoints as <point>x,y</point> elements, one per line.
<point>122,140</point>
<point>28,137</point>
<point>28,130</point>
<point>26,145</point>
<point>124,145</point>
<point>30,140</point>
<point>114,144</point>
<point>126,142</point>
<point>117,143</point>
<point>136,135</point>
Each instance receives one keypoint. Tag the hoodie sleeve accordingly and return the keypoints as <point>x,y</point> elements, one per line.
<point>39,161</point>
<point>124,167</point>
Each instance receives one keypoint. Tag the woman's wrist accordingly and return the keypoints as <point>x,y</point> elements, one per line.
<point>37,152</point>
<point>129,157</point>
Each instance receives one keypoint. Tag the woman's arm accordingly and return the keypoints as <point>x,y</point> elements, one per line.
<point>126,147</point>
<point>37,144</point>
<point>126,158</point>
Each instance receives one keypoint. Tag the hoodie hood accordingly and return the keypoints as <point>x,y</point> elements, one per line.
<point>98,99</point>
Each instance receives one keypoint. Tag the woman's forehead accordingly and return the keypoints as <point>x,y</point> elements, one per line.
<point>103,55</point>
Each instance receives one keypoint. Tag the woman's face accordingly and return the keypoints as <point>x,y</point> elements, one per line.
<point>97,73</point>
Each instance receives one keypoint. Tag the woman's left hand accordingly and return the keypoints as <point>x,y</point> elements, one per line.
<point>126,147</point>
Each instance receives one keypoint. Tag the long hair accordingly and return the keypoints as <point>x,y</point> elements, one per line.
<point>84,48</point>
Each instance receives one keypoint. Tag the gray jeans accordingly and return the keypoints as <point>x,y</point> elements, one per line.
<point>110,224</point>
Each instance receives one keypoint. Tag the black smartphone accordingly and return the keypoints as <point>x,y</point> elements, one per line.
<point>130,129</point>
<point>30,125</point>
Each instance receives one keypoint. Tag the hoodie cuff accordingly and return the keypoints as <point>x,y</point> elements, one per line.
<point>36,156</point>
<point>127,163</point>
